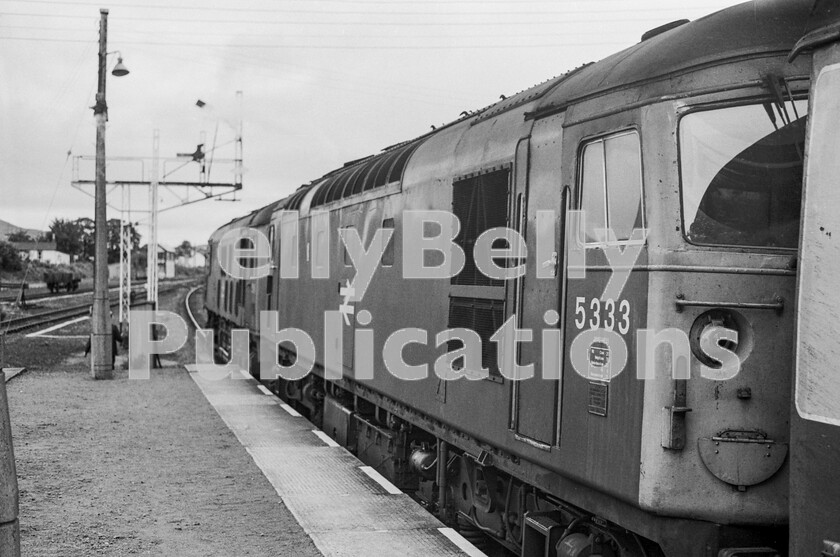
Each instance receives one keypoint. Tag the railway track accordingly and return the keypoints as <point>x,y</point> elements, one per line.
<point>17,324</point>
<point>12,295</point>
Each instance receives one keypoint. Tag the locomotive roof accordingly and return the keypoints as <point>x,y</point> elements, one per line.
<point>262,216</point>
<point>751,29</point>
<point>243,220</point>
<point>755,28</point>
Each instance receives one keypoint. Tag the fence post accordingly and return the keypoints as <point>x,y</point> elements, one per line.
<point>9,525</point>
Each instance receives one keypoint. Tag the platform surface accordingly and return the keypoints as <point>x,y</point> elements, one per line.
<point>10,372</point>
<point>345,507</point>
<point>137,467</point>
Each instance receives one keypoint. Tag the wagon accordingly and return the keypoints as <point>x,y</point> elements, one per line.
<point>68,280</point>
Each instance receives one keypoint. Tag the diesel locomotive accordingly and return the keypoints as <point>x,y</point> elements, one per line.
<point>633,225</point>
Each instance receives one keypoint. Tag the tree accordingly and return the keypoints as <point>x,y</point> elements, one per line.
<point>114,239</point>
<point>186,249</point>
<point>68,236</point>
<point>86,235</point>
<point>9,258</point>
<point>20,236</point>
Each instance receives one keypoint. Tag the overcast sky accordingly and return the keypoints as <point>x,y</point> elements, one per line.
<point>323,82</point>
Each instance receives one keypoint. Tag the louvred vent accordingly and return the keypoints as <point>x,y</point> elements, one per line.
<point>365,174</point>
<point>482,316</point>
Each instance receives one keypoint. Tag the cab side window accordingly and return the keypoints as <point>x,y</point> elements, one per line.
<point>611,188</point>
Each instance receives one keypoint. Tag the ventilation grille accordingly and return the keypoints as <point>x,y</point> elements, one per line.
<point>482,316</point>
<point>365,175</point>
<point>295,200</point>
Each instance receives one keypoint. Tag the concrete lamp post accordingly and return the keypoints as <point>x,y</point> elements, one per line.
<point>101,363</point>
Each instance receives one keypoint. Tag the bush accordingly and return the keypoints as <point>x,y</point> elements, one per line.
<point>188,272</point>
<point>9,258</point>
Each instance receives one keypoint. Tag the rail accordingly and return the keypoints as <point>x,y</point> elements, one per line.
<point>39,293</point>
<point>12,295</point>
<point>14,285</point>
<point>17,324</point>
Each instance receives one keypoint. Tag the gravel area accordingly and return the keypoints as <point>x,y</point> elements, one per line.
<point>135,467</point>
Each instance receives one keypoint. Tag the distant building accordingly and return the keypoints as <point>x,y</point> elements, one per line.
<point>114,271</point>
<point>166,262</point>
<point>196,260</point>
<point>41,251</point>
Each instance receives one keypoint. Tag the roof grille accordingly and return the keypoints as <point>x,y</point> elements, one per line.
<point>367,174</point>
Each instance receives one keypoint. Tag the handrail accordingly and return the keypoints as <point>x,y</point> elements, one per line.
<point>778,305</point>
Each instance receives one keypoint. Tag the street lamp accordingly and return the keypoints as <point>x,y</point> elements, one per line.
<point>120,69</point>
<point>101,362</point>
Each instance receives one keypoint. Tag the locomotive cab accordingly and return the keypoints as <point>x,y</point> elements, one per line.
<point>815,418</point>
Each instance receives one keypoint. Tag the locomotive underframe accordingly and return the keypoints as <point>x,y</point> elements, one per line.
<point>528,506</point>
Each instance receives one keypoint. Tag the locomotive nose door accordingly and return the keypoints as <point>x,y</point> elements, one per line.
<point>536,210</point>
<point>815,424</point>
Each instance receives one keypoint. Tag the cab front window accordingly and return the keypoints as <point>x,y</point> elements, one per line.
<point>741,171</point>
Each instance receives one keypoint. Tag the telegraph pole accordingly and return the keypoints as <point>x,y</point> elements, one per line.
<point>101,365</point>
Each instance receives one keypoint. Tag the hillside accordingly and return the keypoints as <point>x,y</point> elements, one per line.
<point>7,228</point>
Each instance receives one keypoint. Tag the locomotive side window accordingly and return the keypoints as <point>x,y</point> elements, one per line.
<point>321,248</point>
<point>244,243</point>
<point>224,296</point>
<point>271,238</point>
<point>388,253</point>
<point>611,187</point>
<point>269,284</point>
<point>593,193</point>
<point>345,255</point>
<point>741,170</point>
<point>480,203</point>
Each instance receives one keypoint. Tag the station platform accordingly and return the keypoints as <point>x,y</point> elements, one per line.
<point>346,508</point>
<point>177,465</point>
<point>125,467</point>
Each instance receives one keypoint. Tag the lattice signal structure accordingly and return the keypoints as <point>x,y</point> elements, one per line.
<point>171,183</point>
